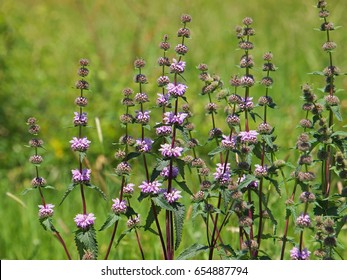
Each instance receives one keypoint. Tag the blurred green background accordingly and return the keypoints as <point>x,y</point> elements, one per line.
<point>41,43</point>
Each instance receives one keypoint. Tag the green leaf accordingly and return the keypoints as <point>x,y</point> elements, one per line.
<point>192,251</point>
<point>47,224</point>
<point>27,190</point>
<point>151,216</point>
<point>161,202</point>
<point>179,215</point>
<point>339,133</point>
<point>244,184</point>
<point>337,112</point>
<point>217,150</point>
<point>268,140</point>
<point>132,155</point>
<point>227,249</point>
<point>184,187</point>
<point>180,166</point>
<point>110,221</point>
<point>93,187</point>
<point>86,242</point>
<point>320,73</point>
<point>67,192</point>
<point>123,234</point>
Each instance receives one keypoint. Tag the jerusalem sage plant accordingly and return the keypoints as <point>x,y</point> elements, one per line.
<point>231,185</point>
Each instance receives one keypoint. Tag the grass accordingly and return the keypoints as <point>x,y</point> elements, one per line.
<point>41,43</point>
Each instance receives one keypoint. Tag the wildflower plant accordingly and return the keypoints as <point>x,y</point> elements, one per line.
<point>235,174</point>
<point>322,162</point>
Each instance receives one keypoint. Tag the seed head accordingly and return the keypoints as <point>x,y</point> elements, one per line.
<point>140,78</point>
<point>38,182</point>
<point>82,84</point>
<point>268,56</point>
<point>35,143</point>
<point>307,197</point>
<point>84,62</point>
<point>34,129</point>
<point>329,46</point>
<point>264,128</point>
<point>183,32</point>
<point>83,72</point>
<point>185,18</point>
<point>141,97</point>
<point>81,101</point>
<point>245,221</point>
<point>247,21</point>
<point>36,159</point>
<point>139,63</point>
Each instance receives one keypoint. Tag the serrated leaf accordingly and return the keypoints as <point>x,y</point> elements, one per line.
<point>227,248</point>
<point>93,187</point>
<point>123,234</point>
<point>47,224</point>
<point>86,241</point>
<point>110,221</point>
<point>180,166</point>
<point>184,187</point>
<point>290,210</point>
<point>268,140</point>
<point>67,192</point>
<point>151,216</point>
<point>179,215</point>
<point>161,202</point>
<point>337,112</point>
<point>192,251</point>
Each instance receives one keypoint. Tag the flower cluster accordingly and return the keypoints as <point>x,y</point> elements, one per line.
<point>84,221</point>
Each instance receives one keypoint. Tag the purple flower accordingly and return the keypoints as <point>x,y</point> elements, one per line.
<point>166,172</point>
<point>80,119</point>
<point>246,103</point>
<point>172,196</point>
<point>142,117</point>
<point>46,211</point>
<point>229,142</point>
<point>303,220</point>
<point>176,90</point>
<point>260,171</point>
<point>80,144</point>
<point>295,254</point>
<point>78,177</point>
<point>164,130</point>
<point>248,136</point>
<point>221,175</point>
<point>305,254</point>
<point>171,119</point>
<point>177,66</point>
<point>144,146</point>
<point>118,206</point>
<point>168,151</point>
<point>128,189</point>
<point>84,221</point>
<point>163,99</point>
<point>150,187</point>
